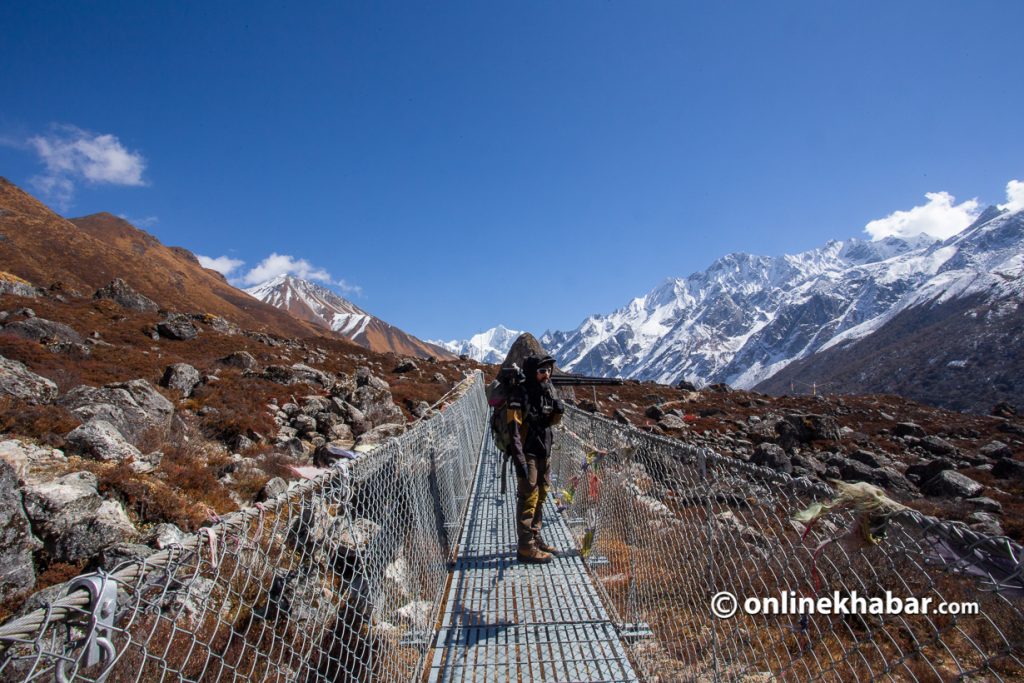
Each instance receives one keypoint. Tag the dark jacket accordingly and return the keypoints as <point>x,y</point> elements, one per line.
<point>533,411</point>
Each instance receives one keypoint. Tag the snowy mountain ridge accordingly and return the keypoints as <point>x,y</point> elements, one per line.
<point>489,346</point>
<point>747,317</point>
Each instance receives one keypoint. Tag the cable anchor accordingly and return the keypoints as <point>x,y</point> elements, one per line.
<point>96,643</point>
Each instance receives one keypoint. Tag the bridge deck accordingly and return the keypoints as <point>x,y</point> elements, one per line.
<point>505,621</point>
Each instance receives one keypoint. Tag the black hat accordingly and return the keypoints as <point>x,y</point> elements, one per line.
<point>546,360</point>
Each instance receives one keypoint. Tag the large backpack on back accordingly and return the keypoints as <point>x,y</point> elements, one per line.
<point>498,393</point>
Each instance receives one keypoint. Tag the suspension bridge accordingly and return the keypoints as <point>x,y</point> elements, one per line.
<point>401,566</point>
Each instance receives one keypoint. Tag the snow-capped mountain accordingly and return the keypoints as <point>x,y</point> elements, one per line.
<point>321,306</point>
<point>487,347</point>
<point>746,318</point>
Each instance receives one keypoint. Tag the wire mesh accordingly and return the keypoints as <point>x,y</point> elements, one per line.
<point>665,526</point>
<point>340,579</point>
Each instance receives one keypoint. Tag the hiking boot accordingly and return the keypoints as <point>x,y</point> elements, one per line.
<point>531,554</point>
<point>544,545</point>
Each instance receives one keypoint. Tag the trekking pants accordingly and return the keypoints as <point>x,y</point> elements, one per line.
<point>531,492</point>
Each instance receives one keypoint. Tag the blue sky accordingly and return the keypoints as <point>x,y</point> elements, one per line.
<point>451,166</point>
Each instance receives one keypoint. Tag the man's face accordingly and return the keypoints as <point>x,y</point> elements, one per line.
<point>544,373</point>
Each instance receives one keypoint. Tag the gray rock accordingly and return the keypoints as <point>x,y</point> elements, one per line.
<point>297,373</point>
<point>240,359</point>
<point>165,535</point>
<point>986,523</point>
<point>852,470</point>
<point>1008,468</point>
<point>304,424</point>
<point>937,446</point>
<point>290,409</point>
<point>177,326</point>
<point>100,440</point>
<point>952,484</point>
<point>870,459</point>
<point>773,456</point>
<point>357,420</point>
<point>45,332</point>
<point>17,572</point>
<point>72,520</point>
<point>23,457</point>
<point>17,286</point>
<point>793,430</point>
<point>18,381</point>
<point>909,429</point>
<point>888,478</point>
<point>438,378</point>
<point>133,407</point>
<point>810,464</point>
<point>380,434</point>
<point>985,504</point>
<point>273,488</point>
<point>672,422</point>
<point>421,409</point>
<point>182,378</point>
<point>365,378</point>
<point>407,365</point>
<point>341,434</point>
<point>119,292</point>
<point>924,471</point>
<point>996,450</point>
<point>654,411</point>
<point>377,405</point>
<point>311,405</point>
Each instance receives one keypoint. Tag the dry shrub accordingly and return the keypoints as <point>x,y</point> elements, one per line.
<point>239,405</point>
<point>46,423</point>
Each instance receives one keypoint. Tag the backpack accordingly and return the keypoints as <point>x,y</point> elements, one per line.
<point>498,392</point>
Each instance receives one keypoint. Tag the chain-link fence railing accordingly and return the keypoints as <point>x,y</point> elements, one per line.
<point>664,527</point>
<point>340,579</point>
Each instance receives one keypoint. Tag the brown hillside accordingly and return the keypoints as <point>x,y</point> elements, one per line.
<point>85,254</point>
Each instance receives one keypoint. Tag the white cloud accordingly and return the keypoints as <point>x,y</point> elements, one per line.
<point>282,264</point>
<point>348,289</point>
<point>941,217</point>
<point>72,155</point>
<point>225,265</point>
<point>1014,196</point>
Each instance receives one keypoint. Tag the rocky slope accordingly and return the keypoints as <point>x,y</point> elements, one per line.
<point>747,318</point>
<point>84,254</point>
<point>316,304</point>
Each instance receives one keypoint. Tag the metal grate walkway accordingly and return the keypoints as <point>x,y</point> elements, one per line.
<point>505,621</point>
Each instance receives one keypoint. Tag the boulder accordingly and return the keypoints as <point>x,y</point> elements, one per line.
<point>12,284</point>
<point>379,434</point>
<point>72,520</point>
<point>852,470</point>
<point>654,411</point>
<point>376,405</point>
<point>45,332</point>
<point>1008,468</point>
<point>870,459</point>
<point>407,365</point>
<point>165,535</point>
<point>891,480</point>
<point>985,504</point>
<point>17,572</point>
<point>240,359</point>
<point>365,378</point>
<point>341,434</point>
<point>686,386</point>
<point>297,373</point>
<point>119,553</point>
<point>924,471</point>
<point>995,450</point>
<point>985,523</point>
<point>119,292</point>
<point>908,429</point>
<point>1004,409</point>
<point>304,424</point>
<point>177,326</point>
<point>952,484</point>
<point>18,381</point>
<point>182,378</point>
<point>100,440</point>
<point>937,446</point>
<point>671,422</point>
<point>133,407</point>
<point>25,456</point>
<point>773,456</point>
<point>273,488</point>
<point>793,430</point>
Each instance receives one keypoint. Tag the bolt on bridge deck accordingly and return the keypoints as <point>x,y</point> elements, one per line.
<point>506,621</point>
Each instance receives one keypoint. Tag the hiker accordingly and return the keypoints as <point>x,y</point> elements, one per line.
<point>532,412</point>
